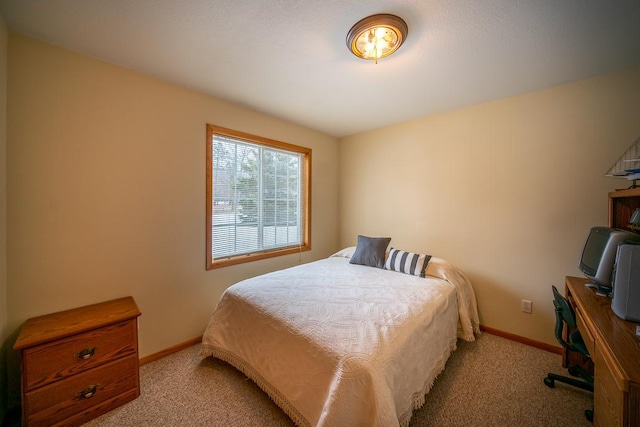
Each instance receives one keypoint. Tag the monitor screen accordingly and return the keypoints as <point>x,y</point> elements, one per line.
<point>594,249</point>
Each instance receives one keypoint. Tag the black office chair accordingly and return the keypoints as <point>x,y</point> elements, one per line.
<point>566,315</point>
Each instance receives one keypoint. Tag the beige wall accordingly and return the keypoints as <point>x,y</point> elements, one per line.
<point>106,192</point>
<point>4,330</point>
<point>506,190</point>
<point>3,178</point>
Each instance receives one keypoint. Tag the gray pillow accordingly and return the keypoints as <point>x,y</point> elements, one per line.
<point>370,251</point>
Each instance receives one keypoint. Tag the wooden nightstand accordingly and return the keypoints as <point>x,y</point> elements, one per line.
<point>80,363</point>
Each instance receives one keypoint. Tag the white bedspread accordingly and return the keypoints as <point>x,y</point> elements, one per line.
<point>336,344</point>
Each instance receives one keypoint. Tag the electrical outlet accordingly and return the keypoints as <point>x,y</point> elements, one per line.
<point>526,306</point>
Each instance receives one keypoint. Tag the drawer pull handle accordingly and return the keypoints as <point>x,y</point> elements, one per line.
<point>88,392</point>
<point>86,353</point>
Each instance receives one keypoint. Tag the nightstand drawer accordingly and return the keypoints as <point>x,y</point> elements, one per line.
<point>49,362</point>
<point>58,401</point>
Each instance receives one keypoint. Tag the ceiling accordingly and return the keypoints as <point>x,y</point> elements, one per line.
<point>288,58</point>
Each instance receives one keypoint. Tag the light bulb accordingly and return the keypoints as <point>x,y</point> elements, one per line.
<point>369,47</point>
<point>380,32</point>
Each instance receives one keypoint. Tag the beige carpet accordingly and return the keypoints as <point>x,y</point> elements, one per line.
<point>490,382</point>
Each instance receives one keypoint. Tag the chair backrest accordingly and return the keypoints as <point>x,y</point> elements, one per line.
<point>564,314</point>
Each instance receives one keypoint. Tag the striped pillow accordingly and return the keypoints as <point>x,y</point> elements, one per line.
<point>407,262</point>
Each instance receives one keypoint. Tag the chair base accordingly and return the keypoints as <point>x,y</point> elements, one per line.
<point>552,378</point>
<point>586,384</point>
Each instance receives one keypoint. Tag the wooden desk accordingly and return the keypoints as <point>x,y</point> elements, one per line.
<point>615,350</point>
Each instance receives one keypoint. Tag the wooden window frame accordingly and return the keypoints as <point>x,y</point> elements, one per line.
<point>305,244</point>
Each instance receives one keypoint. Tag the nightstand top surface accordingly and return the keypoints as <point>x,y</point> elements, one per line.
<point>42,329</point>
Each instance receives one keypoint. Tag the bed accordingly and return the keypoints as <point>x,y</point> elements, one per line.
<point>339,344</point>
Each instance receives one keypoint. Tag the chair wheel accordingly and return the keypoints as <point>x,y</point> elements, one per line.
<point>574,372</point>
<point>589,414</point>
<point>549,382</point>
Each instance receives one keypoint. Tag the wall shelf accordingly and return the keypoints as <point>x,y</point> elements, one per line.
<point>622,203</point>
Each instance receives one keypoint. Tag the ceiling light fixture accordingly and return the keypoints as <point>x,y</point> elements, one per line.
<point>377,36</point>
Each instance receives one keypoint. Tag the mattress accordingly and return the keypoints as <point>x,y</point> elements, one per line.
<point>337,344</point>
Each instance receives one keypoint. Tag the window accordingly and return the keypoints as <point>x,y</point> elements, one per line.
<point>258,197</point>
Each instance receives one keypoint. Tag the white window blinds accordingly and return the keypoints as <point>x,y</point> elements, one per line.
<point>257,197</point>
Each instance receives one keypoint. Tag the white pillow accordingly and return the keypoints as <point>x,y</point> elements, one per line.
<point>440,268</point>
<point>345,253</point>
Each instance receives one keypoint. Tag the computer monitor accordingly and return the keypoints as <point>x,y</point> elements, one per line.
<point>599,255</point>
